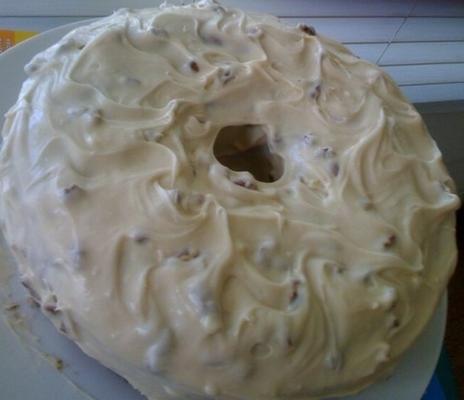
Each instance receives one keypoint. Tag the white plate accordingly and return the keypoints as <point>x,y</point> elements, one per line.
<point>28,375</point>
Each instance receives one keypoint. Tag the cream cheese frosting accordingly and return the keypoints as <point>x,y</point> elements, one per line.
<point>145,244</point>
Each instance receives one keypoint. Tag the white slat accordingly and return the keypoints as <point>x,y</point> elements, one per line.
<point>439,92</point>
<point>431,29</point>
<point>426,74</point>
<point>353,30</point>
<point>424,53</point>
<point>345,8</point>
<point>332,8</point>
<point>439,8</point>
<point>370,52</point>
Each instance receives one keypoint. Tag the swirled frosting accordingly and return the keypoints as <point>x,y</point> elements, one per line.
<point>195,280</point>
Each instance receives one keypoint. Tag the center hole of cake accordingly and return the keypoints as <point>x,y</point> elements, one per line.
<point>246,148</point>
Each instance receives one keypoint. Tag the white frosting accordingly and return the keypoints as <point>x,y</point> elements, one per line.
<point>191,279</point>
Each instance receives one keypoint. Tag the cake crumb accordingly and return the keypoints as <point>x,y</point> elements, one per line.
<point>58,363</point>
<point>335,169</point>
<point>141,238</point>
<point>294,292</point>
<point>316,92</point>
<point>309,30</point>
<point>187,254</point>
<point>390,241</point>
<point>194,66</point>
<point>247,184</point>
<point>11,306</point>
